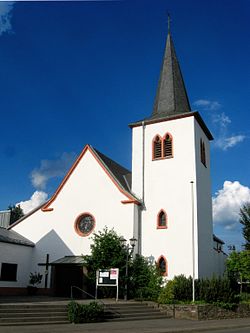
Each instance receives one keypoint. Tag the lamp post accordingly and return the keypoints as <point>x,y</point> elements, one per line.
<point>193,250</point>
<point>129,247</point>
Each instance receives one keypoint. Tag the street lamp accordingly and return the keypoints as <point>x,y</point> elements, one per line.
<point>129,247</point>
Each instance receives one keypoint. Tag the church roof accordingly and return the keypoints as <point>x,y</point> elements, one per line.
<point>171,97</point>
<point>122,175</point>
<point>171,101</point>
<point>11,236</point>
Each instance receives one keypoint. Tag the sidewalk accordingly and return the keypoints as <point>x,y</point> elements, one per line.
<point>147,326</point>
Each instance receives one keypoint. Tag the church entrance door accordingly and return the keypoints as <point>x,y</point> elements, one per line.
<point>66,276</point>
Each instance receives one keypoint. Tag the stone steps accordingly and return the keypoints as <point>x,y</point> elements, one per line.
<point>42,314</point>
<point>32,314</point>
<point>132,311</point>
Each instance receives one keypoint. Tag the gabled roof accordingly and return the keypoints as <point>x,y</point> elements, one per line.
<point>11,236</point>
<point>122,175</point>
<point>119,175</point>
<point>116,173</point>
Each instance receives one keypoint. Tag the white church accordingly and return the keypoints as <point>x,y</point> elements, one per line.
<point>165,202</point>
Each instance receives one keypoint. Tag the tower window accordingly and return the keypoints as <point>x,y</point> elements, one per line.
<point>162,265</point>
<point>162,148</point>
<point>157,147</point>
<point>203,152</point>
<point>167,146</point>
<point>162,220</point>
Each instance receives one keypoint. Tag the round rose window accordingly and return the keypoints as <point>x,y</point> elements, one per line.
<point>84,224</point>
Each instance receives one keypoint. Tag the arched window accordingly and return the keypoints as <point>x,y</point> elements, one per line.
<point>167,146</point>
<point>203,152</point>
<point>162,265</point>
<point>157,147</point>
<point>162,220</point>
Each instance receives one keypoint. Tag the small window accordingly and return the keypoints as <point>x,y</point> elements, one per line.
<point>157,147</point>
<point>167,146</point>
<point>84,224</point>
<point>162,265</point>
<point>8,272</point>
<point>162,148</point>
<point>203,152</point>
<point>162,220</point>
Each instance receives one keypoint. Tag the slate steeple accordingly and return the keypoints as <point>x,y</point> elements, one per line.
<point>171,98</point>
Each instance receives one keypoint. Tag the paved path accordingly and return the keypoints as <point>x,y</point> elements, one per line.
<point>147,326</point>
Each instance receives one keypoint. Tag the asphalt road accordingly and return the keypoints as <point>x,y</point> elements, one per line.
<point>235,330</point>
<point>240,325</point>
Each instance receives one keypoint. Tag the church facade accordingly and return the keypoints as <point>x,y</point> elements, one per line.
<point>165,203</point>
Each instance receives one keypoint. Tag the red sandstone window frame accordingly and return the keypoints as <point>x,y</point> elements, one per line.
<point>164,153</point>
<point>155,150</point>
<point>159,225</point>
<point>77,221</point>
<point>165,272</point>
<point>165,147</point>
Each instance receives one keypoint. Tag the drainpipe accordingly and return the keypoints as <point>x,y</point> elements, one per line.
<point>143,162</point>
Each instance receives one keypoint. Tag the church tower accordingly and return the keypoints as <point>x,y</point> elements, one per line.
<point>171,176</point>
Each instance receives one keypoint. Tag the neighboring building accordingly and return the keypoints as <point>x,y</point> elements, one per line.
<point>165,203</point>
<point>5,218</point>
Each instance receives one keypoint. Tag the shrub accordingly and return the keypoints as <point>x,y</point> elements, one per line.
<point>167,293</point>
<point>182,288</point>
<point>145,280</point>
<point>35,278</point>
<point>245,298</point>
<point>214,290</point>
<point>85,313</point>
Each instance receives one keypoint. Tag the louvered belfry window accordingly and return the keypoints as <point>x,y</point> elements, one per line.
<point>167,146</point>
<point>157,147</point>
<point>162,147</point>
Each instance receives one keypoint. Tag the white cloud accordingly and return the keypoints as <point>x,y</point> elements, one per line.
<point>36,200</point>
<point>51,169</point>
<point>222,119</point>
<point>223,140</point>
<point>225,143</point>
<point>205,104</point>
<point>5,16</point>
<point>227,203</point>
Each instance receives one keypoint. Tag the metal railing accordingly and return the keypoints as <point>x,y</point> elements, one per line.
<point>93,297</point>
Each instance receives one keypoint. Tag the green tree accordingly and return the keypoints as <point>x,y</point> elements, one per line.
<point>145,279</point>
<point>238,265</point>
<point>16,213</point>
<point>107,252</point>
<point>245,221</point>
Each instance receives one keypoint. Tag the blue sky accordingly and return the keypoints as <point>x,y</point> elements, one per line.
<point>73,73</point>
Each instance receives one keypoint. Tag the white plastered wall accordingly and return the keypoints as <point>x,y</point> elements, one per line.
<point>20,255</point>
<point>88,189</point>
<point>207,267</point>
<point>167,186</point>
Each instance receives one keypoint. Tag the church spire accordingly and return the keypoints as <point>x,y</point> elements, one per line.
<point>171,98</point>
